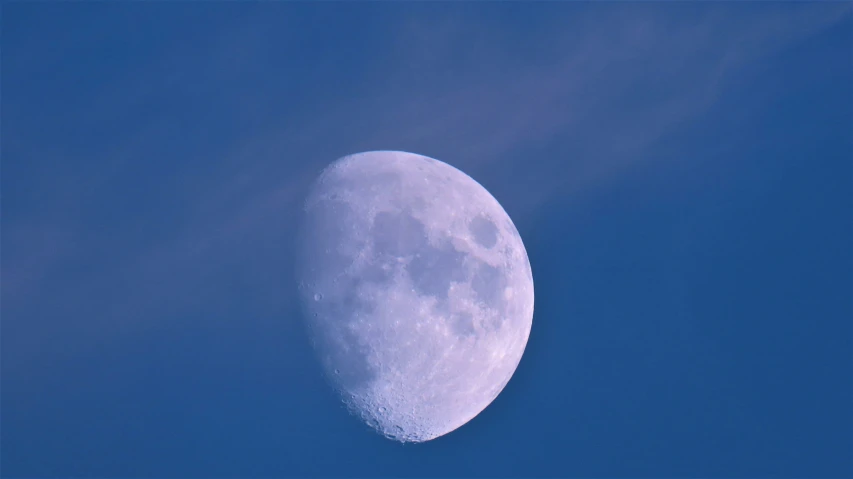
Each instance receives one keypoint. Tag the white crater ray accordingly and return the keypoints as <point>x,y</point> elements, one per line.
<point>417,291</point>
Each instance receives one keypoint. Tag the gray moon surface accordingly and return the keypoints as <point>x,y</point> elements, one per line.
<point>417,291</point>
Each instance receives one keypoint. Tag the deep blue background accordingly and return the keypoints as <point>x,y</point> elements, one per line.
<point>680,174</point>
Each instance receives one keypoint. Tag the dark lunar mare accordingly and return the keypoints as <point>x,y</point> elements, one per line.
<point>484,231</point>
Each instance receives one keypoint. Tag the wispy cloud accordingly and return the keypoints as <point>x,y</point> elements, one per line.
<point>596,90</point>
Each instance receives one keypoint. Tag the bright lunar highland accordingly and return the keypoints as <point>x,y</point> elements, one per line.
<point>417,291</point>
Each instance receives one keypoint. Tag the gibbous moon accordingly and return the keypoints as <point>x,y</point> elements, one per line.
<point>417,291</point>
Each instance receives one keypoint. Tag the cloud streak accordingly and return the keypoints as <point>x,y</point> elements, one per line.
<point>594,100</point>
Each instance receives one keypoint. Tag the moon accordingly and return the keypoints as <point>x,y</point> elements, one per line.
<point>417,291</point>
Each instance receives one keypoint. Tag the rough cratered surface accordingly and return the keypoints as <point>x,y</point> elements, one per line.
<point>417,291</point>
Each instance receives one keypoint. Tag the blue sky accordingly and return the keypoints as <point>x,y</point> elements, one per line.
<point>680,174</point>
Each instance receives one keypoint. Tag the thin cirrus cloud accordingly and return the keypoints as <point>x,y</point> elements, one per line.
<point>598,91</point>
